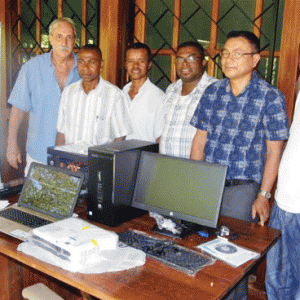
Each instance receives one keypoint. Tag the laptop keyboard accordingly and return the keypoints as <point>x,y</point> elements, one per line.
<point>166,251</point>
<point>23,218</point>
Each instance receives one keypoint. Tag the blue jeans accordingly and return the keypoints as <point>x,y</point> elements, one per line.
<point>283,260</point>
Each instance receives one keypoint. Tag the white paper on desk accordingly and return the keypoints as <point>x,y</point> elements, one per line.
<point>110,260</point>
<point>228,252</point>
<point>3,203</point>
<point>79,148</point>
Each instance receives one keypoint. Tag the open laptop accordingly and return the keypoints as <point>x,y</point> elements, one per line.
<point>49,192</point>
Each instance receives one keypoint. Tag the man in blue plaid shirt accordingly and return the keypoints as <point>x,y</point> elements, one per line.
<point>241,122</point>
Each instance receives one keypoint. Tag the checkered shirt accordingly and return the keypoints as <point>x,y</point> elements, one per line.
<point>177,136</point>
<point>239,126</point>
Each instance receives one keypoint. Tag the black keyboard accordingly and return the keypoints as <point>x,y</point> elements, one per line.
<point>176,256</point>
<point>23,218</point>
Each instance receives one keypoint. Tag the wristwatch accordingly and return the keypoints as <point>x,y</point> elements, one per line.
<point>267,195</point>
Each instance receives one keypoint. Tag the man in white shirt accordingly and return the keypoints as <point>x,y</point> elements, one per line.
<point>182,98</point>
<point>145,99</point>
<point>283,260</point>
<point>92,110</point>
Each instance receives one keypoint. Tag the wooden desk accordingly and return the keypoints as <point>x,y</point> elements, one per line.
<point>152,281</point>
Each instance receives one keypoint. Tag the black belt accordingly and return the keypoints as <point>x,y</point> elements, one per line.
<point>232,182</point>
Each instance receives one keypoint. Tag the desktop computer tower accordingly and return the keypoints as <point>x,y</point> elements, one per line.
<point>112,173</point>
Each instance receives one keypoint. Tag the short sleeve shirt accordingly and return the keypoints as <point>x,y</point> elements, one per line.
<point>95,118</point>
<point>288,188</point>
<point>145,111</point>
<point>36,91</point>
<point>238,126</point>
<point>178,134</point>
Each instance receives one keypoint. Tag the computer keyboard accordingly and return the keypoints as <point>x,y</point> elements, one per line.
<point>23,218</point>
<point>175,256</point>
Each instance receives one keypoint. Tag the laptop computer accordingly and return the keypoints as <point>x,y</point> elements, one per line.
<point>49,192</point>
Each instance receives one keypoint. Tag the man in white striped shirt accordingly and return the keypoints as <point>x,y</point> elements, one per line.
<point>92,110</point>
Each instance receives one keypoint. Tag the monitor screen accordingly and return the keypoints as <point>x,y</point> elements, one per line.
<point>180,188</point>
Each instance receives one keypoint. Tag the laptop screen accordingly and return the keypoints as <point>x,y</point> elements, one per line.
<point>51,190</point>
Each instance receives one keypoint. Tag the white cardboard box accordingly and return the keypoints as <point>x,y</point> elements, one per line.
<point>75,240</point>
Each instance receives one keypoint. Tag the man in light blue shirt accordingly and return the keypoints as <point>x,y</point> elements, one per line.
<point>38,90</point>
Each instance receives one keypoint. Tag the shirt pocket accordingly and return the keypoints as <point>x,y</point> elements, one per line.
<point>102,127</point>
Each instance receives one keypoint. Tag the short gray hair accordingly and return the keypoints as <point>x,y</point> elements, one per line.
<point>56,22</point>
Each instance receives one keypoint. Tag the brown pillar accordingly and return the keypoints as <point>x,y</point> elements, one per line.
<point>111,39</point>
<point>4,111</point>
<point>289,53</point>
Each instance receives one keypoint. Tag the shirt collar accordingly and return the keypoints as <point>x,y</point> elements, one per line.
<point>49,59</point>
<point>250,85</point>
<point>255,77</point>
<point>98,87</point>
<point>143,87</point>
<point>202,82</point>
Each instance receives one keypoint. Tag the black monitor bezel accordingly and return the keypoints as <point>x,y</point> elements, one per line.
<point>173,214</point>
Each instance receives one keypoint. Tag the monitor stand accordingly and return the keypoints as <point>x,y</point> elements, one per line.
<point>183,228</point>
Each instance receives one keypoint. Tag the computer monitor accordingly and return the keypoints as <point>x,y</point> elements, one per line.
<point>180,188</point>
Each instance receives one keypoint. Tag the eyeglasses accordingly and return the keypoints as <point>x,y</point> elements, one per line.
<point>189,59</point>
<point>235,55</point>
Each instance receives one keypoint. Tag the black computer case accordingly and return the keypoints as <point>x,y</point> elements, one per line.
<point>112,174</point>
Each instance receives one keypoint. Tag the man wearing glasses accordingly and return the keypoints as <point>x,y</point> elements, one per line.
<point>241,122</point>
<point>182,98</point>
